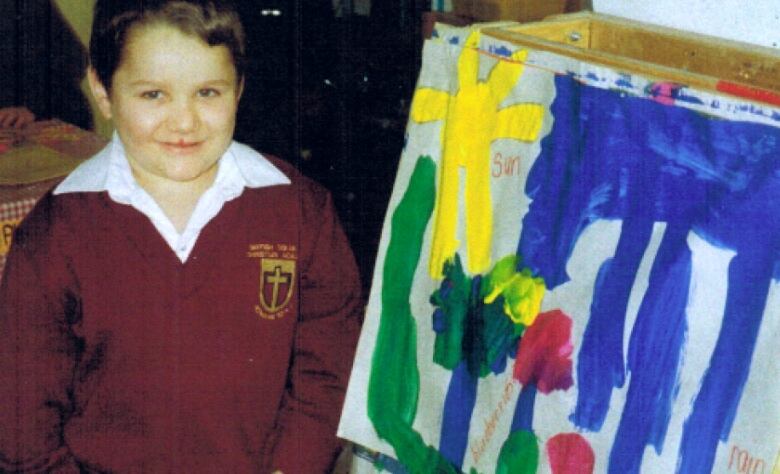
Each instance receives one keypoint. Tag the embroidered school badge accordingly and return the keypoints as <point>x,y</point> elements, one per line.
<point>277,278</point>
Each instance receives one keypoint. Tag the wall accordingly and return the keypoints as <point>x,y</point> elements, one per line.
<point>78,14</point>
<point>753,21</point>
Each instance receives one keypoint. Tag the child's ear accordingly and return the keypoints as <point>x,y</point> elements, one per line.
<point>99,92</point>
<point>240,90</point>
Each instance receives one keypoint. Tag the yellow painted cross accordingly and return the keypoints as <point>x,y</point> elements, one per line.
<point>472,121</point>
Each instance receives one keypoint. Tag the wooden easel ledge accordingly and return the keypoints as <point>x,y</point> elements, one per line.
<point>698,61</point>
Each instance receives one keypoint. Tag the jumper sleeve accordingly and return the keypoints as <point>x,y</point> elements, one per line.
<point>330,314</point>
<point>37,354</point>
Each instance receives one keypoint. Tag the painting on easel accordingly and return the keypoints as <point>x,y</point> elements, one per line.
<point>579,272</point>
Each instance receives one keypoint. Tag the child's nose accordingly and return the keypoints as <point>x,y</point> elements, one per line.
<point>184,117</point>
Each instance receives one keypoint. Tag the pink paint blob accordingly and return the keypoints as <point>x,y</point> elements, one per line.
<point>662,92</point>
<point>544,353</point>
<point>570,453</point>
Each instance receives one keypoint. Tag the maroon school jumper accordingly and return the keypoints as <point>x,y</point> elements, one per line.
<point>116,356</point>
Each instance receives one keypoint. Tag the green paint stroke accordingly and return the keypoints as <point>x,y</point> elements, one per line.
<point>394,383</point>
<point>519,454</point>
<point>448,346</point>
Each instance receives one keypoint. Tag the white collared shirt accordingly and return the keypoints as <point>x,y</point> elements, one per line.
<point>109,170</point>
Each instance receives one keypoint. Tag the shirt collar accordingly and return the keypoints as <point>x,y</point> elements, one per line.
<point>109,170</point>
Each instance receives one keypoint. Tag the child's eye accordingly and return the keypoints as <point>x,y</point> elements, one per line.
<point>208,93</point>
<point>152,95</point>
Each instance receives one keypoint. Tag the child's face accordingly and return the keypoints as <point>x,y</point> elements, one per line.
<point>173,102</point>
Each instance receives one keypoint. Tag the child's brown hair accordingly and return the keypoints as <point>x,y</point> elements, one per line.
<point>215,22</point>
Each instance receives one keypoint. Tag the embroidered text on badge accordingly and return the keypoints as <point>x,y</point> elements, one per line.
<point>277,278</point>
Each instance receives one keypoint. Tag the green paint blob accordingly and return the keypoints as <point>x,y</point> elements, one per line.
<point>502,272</point>
<point>500,334</point>
<point>479,333</point>
<point>448,346</point>
<point>394,382</point>
<point>519,454</point>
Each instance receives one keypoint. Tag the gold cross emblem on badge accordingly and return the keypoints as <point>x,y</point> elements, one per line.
<point>277,280</point>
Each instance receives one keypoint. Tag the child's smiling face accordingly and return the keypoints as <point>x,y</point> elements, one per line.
<point>173,101</point>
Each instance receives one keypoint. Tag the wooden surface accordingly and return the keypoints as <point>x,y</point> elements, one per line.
<point>754,21</point>
<point>699,61</point>
<point>514,10</point>
<point>518,10</point>
<point>429,20</point>
<point>44,150</point>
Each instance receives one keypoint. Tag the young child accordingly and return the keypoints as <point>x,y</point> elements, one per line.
<point>179,303</point>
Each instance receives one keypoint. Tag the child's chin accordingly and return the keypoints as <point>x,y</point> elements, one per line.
<point>186,176</point>
<point>189,175</point>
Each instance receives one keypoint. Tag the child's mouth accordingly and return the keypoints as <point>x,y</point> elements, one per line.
<point>181,145</point>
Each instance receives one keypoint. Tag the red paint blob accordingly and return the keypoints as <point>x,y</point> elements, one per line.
<point>663,92</point>
<point>544,353</point>
<point>748,92</point>
<point>570,453</point>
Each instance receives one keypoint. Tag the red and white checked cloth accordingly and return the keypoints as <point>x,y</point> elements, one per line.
<point>10,211</point>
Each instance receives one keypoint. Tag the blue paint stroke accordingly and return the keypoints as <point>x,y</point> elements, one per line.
<point>592,76</point>
<point>681,95</point>
<point>754,235</point>
<point>458,407</point>
<point>500,50</point>
<point>661,325</point>
<point>439,321</point>
<point>523,419</point>
<point>472,339</point>
<point>601,350</point>
<point>624,81</point>
<point>384,462</point>
<point>612,157</point>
